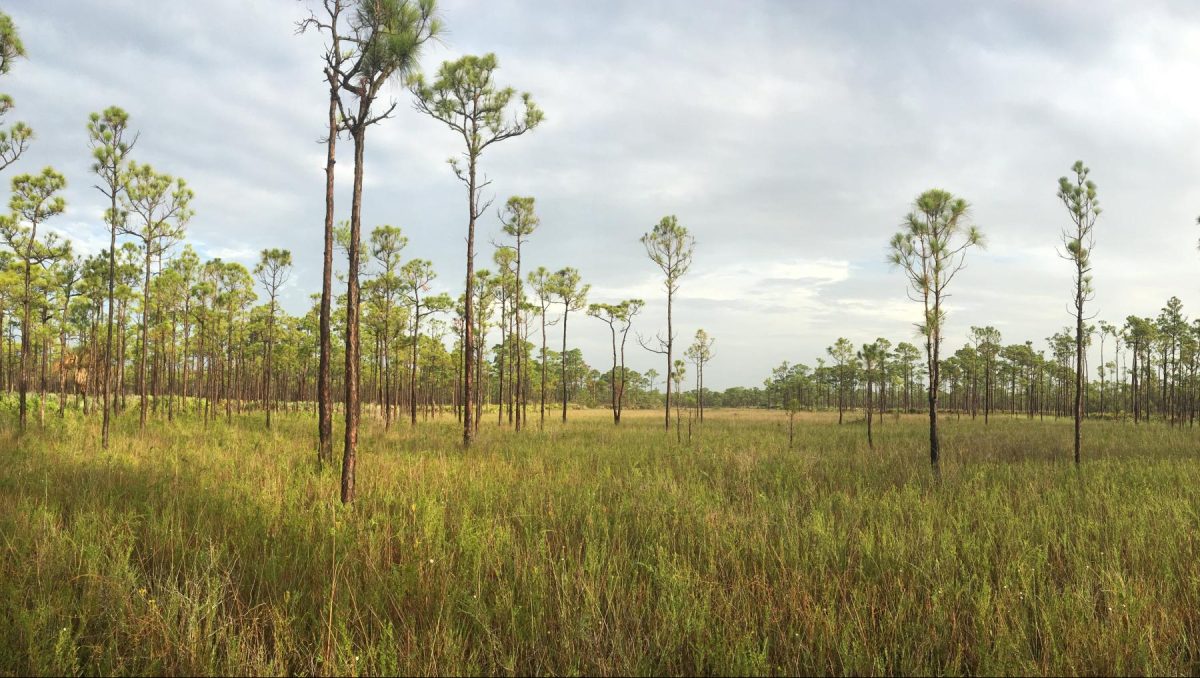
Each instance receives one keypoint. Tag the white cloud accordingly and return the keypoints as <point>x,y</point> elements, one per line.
<point>789,137</point>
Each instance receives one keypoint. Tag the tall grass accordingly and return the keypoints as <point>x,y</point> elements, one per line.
<point>593,549</point>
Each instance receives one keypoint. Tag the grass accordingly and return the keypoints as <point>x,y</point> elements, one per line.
<point>590,549</point>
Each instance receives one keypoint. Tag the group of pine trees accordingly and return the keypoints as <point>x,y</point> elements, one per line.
<point>371,42</point>
<point>1149,370</point>
<point>147,318</point>
<point>1157,375</point>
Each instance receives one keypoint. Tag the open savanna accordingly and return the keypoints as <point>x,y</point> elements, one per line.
<point>589,548</point>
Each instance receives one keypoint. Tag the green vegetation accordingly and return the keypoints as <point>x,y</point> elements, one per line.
<point>591,548</point>
<point>165,536</point>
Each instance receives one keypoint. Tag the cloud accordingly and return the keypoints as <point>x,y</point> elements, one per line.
<point>86,239</point>
<point>790,138</point>
<point>242,254</point>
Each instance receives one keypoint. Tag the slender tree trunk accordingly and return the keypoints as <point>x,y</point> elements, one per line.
<point>171,372</point>
<point>520,342</point>
<point>678,415</point>
<point>412,373</point>
<point>513,373</point>
<point>987,391</point>
<point>122,351</point>
<point>500,355</point>
<point>230,369</point>
<point>670,364</point>
<point>45,354</point>
<point>469,312</point>
<point>269,356</point>
<point>4,372</point>
<point>385,390</point>
<point>1078,355</point>
<point>62,360</point>
<point>566,311</point>
<point>542,423</point>
<point>932,350</point>
<point>507,392</point>
<point>145,347</point>
<point>324,376</point>
<point>187,326</point>
<point>108,344</point>
<point>26,303</point>
<point>870,439</point>
<point>352,335</point>
<point>1133,390</point>
<point>621,393</point>
<point>613,376</point>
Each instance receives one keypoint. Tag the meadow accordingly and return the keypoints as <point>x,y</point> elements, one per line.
<point>592,549</point>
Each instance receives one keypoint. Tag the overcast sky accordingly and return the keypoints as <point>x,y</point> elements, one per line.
<point>789,137</point>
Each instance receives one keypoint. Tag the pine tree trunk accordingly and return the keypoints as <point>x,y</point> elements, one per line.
<point>542,422</point>
<point>469,384</point>
<point>412,374</point>
<point>144,339</point>
<point>566,311</point>
<point>670,364</point>
<point>324,377</point>
<point>352,334</point>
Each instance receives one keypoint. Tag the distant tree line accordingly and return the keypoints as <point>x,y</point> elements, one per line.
<point>1148,369</point>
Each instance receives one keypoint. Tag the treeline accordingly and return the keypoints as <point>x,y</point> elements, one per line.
<point>212,339</point>
<point>147,323</point>
<point>188,333</point>
<point>214,345</point>
<point>1149,368</point>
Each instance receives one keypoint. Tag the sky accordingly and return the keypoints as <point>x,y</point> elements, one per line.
<point>790,138</point>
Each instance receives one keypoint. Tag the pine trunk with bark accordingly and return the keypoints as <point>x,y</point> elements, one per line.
<point>350,450</point>
<point>324,377</point>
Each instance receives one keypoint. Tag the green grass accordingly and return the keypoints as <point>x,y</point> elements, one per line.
<point>590,549</point>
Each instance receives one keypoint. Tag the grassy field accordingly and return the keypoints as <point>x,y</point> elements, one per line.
<point>591,549</point>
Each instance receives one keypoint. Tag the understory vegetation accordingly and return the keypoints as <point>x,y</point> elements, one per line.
<point>592,548</point>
